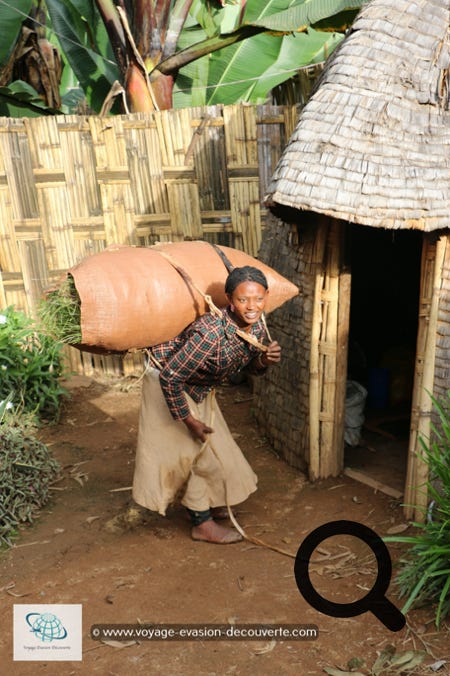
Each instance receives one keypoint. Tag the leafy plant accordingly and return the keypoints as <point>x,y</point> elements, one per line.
<point>30,366</point>
<point>5,406</point>
<point>60,313</point>
<point>161,53</point>
<point>26,471</point>
<point>424,575</point>
<point>388,662</point>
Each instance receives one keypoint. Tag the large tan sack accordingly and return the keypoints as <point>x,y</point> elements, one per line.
<point>133,297</point>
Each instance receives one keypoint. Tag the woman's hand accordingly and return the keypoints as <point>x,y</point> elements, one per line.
<point>273,354</point>
<point>197,428</point>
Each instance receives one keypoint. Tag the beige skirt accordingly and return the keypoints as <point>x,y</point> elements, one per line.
<point>170,461</point>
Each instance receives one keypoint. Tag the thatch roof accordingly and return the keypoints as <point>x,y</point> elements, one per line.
<point>373,143</point>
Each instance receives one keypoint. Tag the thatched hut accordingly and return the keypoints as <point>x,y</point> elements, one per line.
<point>362,194</point>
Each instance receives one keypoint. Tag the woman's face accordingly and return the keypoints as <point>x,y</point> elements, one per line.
<point>248,301</point>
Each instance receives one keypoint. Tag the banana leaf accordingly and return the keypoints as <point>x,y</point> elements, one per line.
<point>19,99</point>
<point>84,40</point>
<point>301,14</point>
<point>249,70</point>
<point>11,19</point>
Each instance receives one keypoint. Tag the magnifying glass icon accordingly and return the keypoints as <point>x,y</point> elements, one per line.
<point>375,600</point>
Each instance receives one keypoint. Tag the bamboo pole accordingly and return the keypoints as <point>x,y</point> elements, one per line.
<point>426,292</point>
<point>343,327</point>
<point>328,347</point>
<point>3,301</point>
<point>315,394</point>
<point>427,389</point>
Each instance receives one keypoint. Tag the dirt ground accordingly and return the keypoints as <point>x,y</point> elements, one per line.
<point>154,573</point>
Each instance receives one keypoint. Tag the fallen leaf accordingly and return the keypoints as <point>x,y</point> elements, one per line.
<point>10,585</point>
<point>355,663</point>
<point>90,519</point>
<point>400,528</point>
<point>340,672</point>
<point>80,478</point>
<point>408,659</point>
<point>28,544</point>
<point>120,644</point>
<point>437,665</point>
<point>265,649</point>
<point>383,659</point>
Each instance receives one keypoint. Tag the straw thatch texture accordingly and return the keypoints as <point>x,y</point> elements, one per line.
<point>373,142</point>
<point>70,186</point>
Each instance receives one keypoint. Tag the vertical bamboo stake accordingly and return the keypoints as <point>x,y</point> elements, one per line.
<point>328,347</point>
<point>341,366</point>
<point>9,254</point>
<point>426,293</point>
<point>424,427</point>
<point>315,393</point>
<point>3,303</point>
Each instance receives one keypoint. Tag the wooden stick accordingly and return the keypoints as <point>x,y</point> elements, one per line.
<point>364,478</point>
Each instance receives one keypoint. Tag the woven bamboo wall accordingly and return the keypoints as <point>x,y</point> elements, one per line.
<point>70,186</point>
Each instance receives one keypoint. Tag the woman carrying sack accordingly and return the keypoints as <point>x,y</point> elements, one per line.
<point>184,443</point>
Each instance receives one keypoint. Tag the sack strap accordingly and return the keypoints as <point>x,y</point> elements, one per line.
<point>209,301</point>
<point>226,261</point>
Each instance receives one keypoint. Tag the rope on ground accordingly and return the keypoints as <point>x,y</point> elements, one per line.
<point>246,536</point>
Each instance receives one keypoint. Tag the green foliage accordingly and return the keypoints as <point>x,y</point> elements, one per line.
<point>26,472</point>
<point>11,18</point>
<point>60,313</point>
<point>19,99</point>
<point>220,57</point>
<point>85,44</point>
<point>389,662</point>
<point>226,77</point>
<point>424,575</point>
<point>300,14</point>
<point>248,70</point>
<point>30,366</point>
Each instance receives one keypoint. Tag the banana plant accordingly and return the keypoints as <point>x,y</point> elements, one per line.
<point>29,61</point>
<point>249,43</point>
<point>165,53</point>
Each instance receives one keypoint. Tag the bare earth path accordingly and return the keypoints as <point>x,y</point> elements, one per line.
<point>156,573</point>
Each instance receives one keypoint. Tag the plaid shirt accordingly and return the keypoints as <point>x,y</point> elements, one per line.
<point>201,357</point>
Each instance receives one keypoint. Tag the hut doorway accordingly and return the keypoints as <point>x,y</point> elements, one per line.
<point>384,310</point>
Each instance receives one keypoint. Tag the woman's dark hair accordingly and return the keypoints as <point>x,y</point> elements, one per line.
<point>245,274</point>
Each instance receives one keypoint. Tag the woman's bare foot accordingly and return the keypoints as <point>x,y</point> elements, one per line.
<point>210,531</point>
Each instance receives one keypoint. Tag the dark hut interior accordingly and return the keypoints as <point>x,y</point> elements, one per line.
<point>385,270</point>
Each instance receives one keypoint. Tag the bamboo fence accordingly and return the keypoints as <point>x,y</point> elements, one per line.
<point>71,186</point>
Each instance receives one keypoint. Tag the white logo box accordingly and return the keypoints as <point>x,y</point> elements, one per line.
<point>46,631</point>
